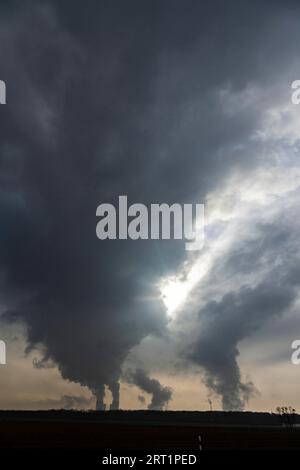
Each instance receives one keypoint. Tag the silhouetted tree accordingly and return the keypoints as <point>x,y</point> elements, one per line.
<point>287,415</point>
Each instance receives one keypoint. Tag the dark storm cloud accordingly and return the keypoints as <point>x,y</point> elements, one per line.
<point>160,395</point>
<point>107,99</point>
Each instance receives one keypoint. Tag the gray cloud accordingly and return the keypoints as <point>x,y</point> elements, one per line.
<point>223,325</point>
<point>66,402</point>
<point>261,268</point>
<point>141,398</point>
<point>160,395</point>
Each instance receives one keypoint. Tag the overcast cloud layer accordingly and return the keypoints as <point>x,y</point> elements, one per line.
<point>164,101</point>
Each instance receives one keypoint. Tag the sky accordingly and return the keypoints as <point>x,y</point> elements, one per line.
<point>165,102</point>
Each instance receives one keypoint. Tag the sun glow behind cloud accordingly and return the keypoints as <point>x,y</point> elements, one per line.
<point>174,293</point>
<point>175,289</point>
